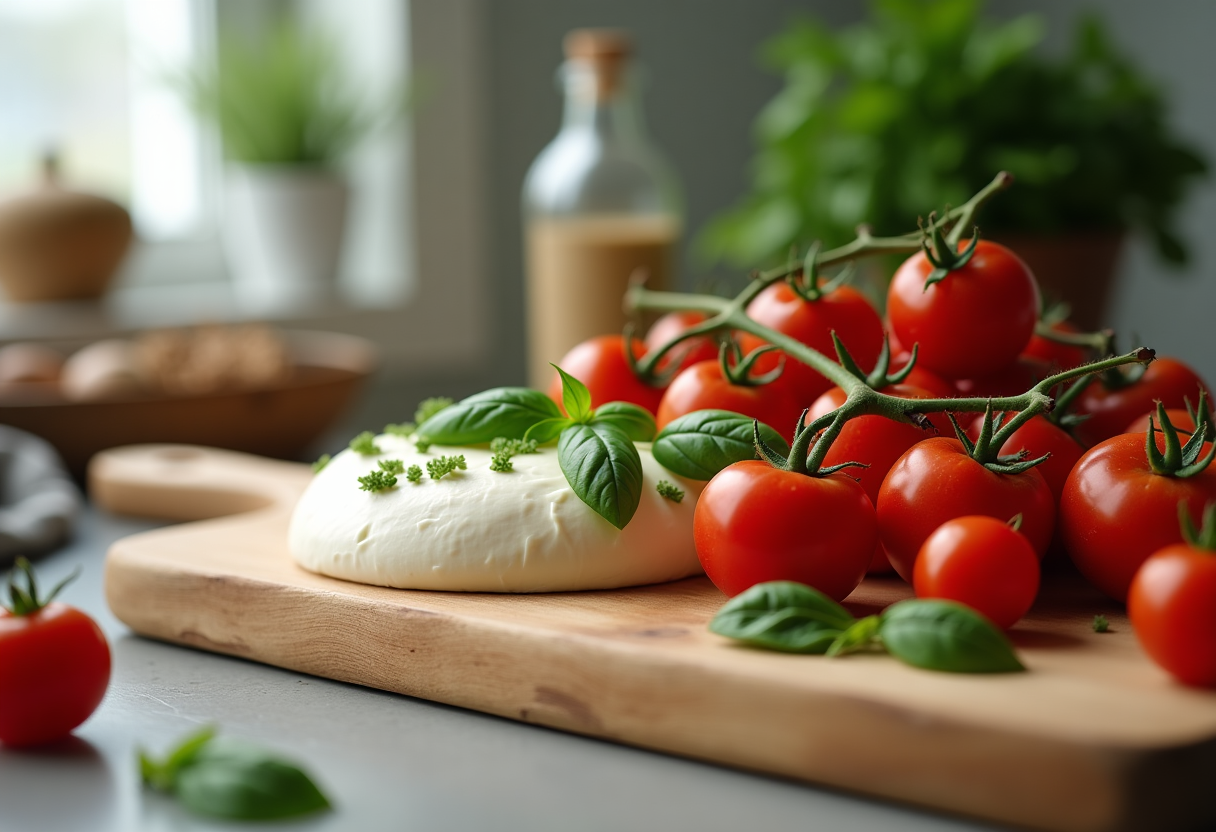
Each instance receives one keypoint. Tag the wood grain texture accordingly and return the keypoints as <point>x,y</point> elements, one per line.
<point>1092,738</point>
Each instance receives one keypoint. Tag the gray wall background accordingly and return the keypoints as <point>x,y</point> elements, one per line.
<point>704,88</point>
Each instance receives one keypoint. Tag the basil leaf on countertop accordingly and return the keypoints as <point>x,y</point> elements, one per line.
<point>944,635</point>
<point>227,778</point>
<point>783,615</point>
<point>503,411</point>
<point>636,422</point>
<point>604,469</point>
<point>700,444</point>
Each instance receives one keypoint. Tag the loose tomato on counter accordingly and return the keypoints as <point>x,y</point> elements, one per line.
<point>54,665</point>
<point>973,321</point>
<point>938,480</point>
<point>600,363</point>
<point>1112,408</point>
<point>981,562</point>
<point>1172,603</point>
<point>1119,505</point>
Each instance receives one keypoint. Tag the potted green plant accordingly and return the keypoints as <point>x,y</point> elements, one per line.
<point>287,110</point>
<point>922,103</point>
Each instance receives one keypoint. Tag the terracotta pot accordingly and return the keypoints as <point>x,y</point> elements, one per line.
<point>1078,269</point>
<point>57,244</point>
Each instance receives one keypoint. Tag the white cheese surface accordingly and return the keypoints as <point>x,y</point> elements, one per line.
<point>482,531</point>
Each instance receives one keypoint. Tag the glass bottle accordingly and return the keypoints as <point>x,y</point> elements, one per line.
<point>598,203</point>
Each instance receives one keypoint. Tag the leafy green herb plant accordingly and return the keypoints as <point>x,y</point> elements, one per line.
<point>669,491</point>
<point>286,98</point>
<point>920,103</point>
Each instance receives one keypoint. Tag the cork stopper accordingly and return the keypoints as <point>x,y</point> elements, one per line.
<point>606,51</point>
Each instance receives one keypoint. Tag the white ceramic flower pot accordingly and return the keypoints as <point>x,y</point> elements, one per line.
<point>283,228</point>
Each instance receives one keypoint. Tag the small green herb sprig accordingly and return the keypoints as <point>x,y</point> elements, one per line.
<point>925,633</point>
<point>319,465</point>
<point>440,467</point>
<point>669,490</point>
<point>1100,624</point>
<point>402,429</point>
<point>413,474</point>
<point>391,466</point>
<point>377,481</point>
<point>226,778</point>
<point>429,407</point>
<point>365,444</point>
<point>504,448</point>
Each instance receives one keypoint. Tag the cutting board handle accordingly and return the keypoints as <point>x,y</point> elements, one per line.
<point>190,482</point>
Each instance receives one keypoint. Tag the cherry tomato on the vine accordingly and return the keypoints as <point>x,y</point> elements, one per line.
<point>1179,417</point>
<point>972,323</point>
<point>1110,411</point>
<point>600,364</point>
<point>703,387</point>
<point>936,481</point>
<point>843,310</point>
<point>1115,511</point>
<point>690,351</point>
<point>1172,606</point>
<point>1013,380</point>
<point>1038,437</point>
<point>876,441</point>
<point>981,562</point>
<point>756,523</point>
<point>1055,355</point>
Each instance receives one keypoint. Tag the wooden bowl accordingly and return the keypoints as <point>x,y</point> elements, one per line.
<point>279,421</point>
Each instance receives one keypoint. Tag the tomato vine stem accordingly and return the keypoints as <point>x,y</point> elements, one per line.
<point>729,315</point>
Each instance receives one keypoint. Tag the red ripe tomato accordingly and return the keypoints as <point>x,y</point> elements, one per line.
<point>876,441</point>
<point>936,481</point>
<point>54,668</point>
<point>1110,411</point>
<point>702,387</point>
<point>1013,380</point>
<point>924,379</point>
<point>1055,355</point>
<point>1172,606</point>
<point>1179,418</point>
<point>701,348</point>
<point>600,364</point>
<point>1038,437</point>
<point>1115,511</point>
<point>980,562</point>
<point>972,323</point>
<point>756,523</point>
<point>843,310</point>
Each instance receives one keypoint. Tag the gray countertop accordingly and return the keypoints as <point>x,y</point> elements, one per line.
<point>386,761</point>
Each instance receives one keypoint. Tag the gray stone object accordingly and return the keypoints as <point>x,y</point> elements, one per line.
<point>39,502</point>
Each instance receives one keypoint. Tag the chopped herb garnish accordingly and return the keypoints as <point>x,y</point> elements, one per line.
<point>669,490</point>
<point>445,465</point>
<point>413,473</point>
<point>319,465</point>
<point>377,481</point>
<point>1101,625</point>
<point>365,444</point>
<point>513,447</point>
<point>392,466</point>
<point>429,407</point>
<point>400,429</point>
<point>504,449</point>
<point>422,445</point>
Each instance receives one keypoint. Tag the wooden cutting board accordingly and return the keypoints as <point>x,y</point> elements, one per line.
<point>1092,738</point>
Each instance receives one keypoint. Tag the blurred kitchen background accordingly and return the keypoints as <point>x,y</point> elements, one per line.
<point>431,267</point>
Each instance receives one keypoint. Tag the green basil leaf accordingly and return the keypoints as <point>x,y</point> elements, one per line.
<point>236,780</point>
<point>783,615</point>
<point>548,430</point>
<point>576,398</point>
<point>944,635</point>
<point>700,444</point>
<point>636,422</point>
<point>163,776</point>
<point>503,411</point>
<point>604,469</point>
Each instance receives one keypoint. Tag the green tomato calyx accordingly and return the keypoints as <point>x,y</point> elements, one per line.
<point>24,600</point>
